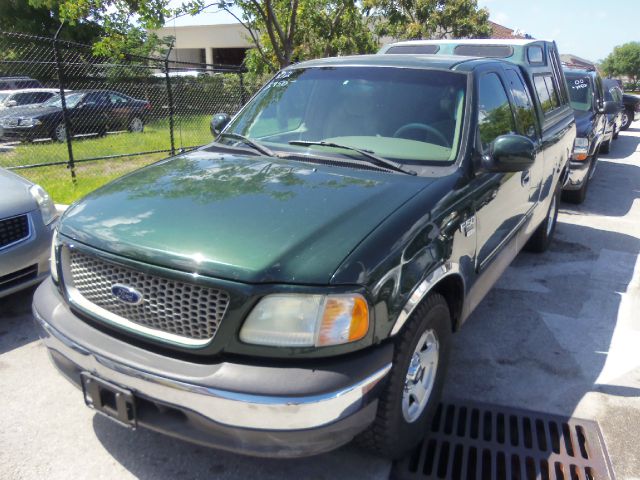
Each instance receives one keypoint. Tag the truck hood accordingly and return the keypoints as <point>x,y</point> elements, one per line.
<point>584,123</point>
<point>250,219</point>
<point>15,198</point>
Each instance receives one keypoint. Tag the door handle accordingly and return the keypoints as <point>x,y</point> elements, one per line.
<point>524,179</point>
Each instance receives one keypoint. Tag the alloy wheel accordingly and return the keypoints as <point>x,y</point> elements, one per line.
<point>421,376</point>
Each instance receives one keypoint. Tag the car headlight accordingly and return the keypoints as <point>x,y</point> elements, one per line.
<point>45,204</point>
<point>580,148</point>
<point>28,122</point>
<point>52,259</point>
<point>296,320</point>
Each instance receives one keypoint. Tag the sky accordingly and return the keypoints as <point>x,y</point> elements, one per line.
<point>587,28</point>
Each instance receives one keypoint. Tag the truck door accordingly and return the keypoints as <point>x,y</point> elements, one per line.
<point>527,125</point>
<point>503,212</point>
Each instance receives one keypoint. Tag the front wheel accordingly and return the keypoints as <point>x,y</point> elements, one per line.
<point>414,384</point>
<point>605,147</point>
<point>626,119</point>
<point>59,133</point>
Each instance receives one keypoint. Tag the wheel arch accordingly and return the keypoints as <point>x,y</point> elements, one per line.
<point>446,281</point>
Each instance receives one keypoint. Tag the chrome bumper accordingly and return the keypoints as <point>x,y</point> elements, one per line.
<point>270,413</point>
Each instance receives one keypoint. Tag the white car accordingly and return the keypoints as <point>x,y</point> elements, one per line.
<point>26,97</point>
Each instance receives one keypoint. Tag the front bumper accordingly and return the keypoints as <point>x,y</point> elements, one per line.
<point>263,409</point>
<point>578,173</point>
<point>23,133</point>
<point>27,262</point>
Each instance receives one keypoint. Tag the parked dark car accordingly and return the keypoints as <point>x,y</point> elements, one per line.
<point>14,83</point>
<point>297,282</point>
<point>90,111</point>
<point>612,93</point>
<point>631,107</point>
<point>586,93</point>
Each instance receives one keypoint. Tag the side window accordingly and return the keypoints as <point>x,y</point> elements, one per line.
<point>116,99</point>
<point>494,112</point>
<point>553,93</point>
<point>534,54</point>
<point>547,95</point>
<point>525,114</point>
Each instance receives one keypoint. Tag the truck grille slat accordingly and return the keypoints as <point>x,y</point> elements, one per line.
<point>170,306</point>
<point>13,229</point>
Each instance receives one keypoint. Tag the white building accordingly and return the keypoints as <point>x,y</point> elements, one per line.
<point>225,42</point>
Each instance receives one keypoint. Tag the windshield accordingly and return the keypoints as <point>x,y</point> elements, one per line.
<point>408,115</point>
<point>71,99</point>
<point>580,92</point>
<point>3,96</point>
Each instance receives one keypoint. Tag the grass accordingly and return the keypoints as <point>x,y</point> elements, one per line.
<point>189,131</point>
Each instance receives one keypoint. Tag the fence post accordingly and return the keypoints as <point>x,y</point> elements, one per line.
<point>243,93</point>
<point>169,99</point>
<point>65,116</point>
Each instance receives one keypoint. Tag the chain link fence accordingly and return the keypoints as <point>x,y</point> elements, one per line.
<point>86,119</point>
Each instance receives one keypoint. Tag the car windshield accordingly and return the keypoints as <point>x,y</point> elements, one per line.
<point>580,92</point>
<point>407,115</point>
<point>71,100</point>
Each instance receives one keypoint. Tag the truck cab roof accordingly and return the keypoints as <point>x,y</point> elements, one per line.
<point>426,61</point>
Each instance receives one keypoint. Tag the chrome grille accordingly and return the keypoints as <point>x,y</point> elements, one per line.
<point>13,229</point>
<point>172,307</point>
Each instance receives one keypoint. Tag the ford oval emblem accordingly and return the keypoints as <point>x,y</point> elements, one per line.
<point>126,294</point>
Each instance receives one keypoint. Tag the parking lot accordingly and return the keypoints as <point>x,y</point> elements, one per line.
<point>559,333</point>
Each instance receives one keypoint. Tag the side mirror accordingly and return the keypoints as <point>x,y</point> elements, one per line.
<point>509,153</point>
<point>218,122</point>
<point>11,103</point>
<point>610,108</point>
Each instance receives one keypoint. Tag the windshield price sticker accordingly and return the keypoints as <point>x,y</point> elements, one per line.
<point>580,83</point>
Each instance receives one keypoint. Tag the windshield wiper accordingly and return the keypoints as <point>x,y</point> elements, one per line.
<point>252,143</point>
<point>368,154</point>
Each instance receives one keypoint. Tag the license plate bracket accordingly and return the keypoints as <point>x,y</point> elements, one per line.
<point>110,400</point>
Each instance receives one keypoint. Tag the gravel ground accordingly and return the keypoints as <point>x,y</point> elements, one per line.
<point>559,333</point>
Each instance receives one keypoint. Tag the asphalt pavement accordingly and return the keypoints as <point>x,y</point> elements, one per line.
<point>559,333</point>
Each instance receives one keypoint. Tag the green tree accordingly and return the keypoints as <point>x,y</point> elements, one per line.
<point>282,31</point>
<point>624,60</point>
<point>43,19</point>
<point>418,19</point>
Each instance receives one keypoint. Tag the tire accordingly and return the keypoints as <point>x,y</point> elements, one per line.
<point>541,238</point>
<point>605,147</point>
<point>58,134</point>
<point>136,124</point>
<point>626,119</point>
<point>397,429</point>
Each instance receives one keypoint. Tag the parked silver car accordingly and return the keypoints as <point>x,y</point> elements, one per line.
<point>26,97</point>
<point>27,220</point>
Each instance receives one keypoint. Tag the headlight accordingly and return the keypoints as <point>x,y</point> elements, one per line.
<point>52,258</point>
<point>45,204</point>
<point>291,320</point>
<point>580,148</point>
<point>28,122</point>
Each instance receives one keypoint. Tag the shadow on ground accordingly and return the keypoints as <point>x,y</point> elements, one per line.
<point>612,173</point>
<point>150,456</point>
<point>16,325</point>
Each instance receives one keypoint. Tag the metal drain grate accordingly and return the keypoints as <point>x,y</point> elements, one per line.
<point>473,441</point>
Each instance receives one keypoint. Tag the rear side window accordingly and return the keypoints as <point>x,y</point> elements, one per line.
<point>547,94</point>
<point>494,112</point>
<point>494,51</point>
<point>525,115</point>
<point>416,49</point>
<point>535,55</point>
<point>28,84</point>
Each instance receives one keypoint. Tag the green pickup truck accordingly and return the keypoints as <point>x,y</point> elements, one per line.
<point>296,283</point>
